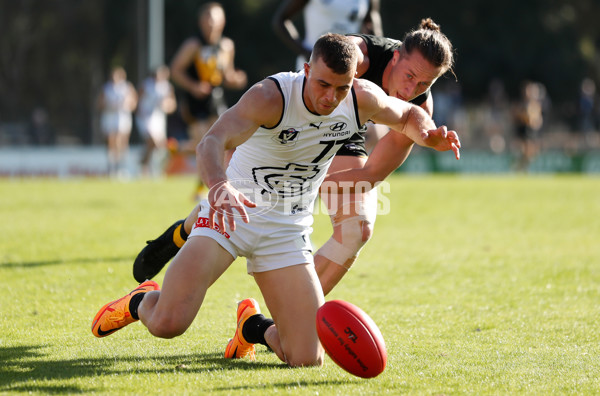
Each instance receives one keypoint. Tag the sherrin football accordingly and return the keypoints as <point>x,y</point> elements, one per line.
<point>351,338</point>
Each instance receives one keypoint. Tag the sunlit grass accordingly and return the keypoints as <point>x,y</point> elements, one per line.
<point>479,285</point>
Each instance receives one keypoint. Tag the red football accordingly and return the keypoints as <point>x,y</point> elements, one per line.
<point>351,338</point>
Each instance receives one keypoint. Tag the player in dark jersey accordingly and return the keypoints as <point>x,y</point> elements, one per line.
<point>405,70</point>
<point>201,67</point>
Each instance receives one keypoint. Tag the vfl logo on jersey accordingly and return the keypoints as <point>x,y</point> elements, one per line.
<point>291,181</point>
<point>287,136</point>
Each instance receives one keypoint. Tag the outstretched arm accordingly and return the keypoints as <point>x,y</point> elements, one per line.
<point>408,122</point>
<point>403,117</point>
<point>389,153</point>
<point>262,104</point>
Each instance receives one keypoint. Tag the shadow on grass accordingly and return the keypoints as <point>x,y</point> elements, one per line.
<point>43,263</point>
<point>286,385</point>
<point>27,369</point>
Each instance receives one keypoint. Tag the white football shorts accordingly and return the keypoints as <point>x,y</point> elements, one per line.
<point>266,245</point>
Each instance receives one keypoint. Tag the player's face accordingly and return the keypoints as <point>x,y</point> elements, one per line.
<point>212,23</point>
<point>411,75</point>
<point>325,89</point>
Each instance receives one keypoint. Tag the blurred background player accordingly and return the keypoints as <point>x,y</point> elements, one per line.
<point>157,99</point>
<point>529,119</point>
<point>201,67</point>
<point>117,101</point>
<point>323,16</point>
<point>405,70</point>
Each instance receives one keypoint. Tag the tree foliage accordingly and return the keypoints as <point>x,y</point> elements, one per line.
<point>56,54</point>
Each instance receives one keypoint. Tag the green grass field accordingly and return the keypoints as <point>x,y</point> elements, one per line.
<point>480,285</point>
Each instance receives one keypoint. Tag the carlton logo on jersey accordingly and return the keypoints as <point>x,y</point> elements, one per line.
<point>290,181</point>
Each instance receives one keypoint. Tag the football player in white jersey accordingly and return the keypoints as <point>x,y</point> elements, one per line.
<point>311,109</point>
<point>117,101</point>
<point>324,16</point>
<point>405,70</point>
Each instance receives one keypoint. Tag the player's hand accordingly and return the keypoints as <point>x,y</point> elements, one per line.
<point>201,90</point>
<point>226,203</point>
<point>442,139</point>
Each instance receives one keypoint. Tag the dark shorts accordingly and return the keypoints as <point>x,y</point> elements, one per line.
<point>194,109</point>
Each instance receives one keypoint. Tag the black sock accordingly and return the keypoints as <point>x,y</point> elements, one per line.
<point>184,235</point>
<point>255,327</point>
<point>134,303</point>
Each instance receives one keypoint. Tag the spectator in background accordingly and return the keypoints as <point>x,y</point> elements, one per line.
<point>334,16</point>
<point>201,67</point>
<point>157,99</point>
<point>117,101</point>
<point>497,116</point>
<point>587,110</point>
<point>40,132</point>
<point>529,120</point>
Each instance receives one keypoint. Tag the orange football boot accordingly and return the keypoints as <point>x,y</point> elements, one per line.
<point>115,315</point>
<point>238,347</point>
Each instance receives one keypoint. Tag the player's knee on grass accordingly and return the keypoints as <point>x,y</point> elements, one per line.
<point>293,354</point>
<point>167,327</point>
<point>159,324</point>
<point>303,357</point>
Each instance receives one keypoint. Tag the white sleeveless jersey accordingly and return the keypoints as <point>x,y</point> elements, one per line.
<point>331,16</point>
<point>115,117</point>
<point>114,96</point>
<point>285,165</point>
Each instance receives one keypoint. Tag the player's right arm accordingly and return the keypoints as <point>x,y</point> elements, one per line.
<point>284,27</point>
<point>372,22</point>
<point>261,105</point>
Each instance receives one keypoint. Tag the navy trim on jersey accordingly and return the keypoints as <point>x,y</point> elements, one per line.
<point>282,98</point>
<point>355,102</point>
<point>303,102</point>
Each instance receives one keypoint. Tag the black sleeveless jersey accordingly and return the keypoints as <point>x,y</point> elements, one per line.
<point>380,51</point>
<point>205,67</point>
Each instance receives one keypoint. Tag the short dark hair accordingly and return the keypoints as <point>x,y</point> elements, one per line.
<point>337,51</point>
<point>429,40</point>
<point>208,6</point>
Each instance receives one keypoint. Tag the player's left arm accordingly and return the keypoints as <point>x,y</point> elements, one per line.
<point>372,22</point>
<point>403,117</point>
<point>233,78</point>
<point>391,151</point>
